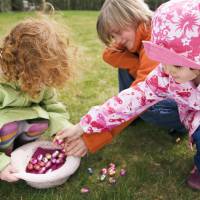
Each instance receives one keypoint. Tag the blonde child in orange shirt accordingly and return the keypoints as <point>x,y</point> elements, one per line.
<point>122,26</point>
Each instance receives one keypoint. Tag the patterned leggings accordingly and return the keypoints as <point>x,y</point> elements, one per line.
<point>22,131</point>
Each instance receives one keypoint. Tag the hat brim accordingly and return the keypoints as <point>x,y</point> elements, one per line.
<point>165,56</point>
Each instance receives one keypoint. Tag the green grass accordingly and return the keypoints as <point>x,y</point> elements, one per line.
<point>156,166</point>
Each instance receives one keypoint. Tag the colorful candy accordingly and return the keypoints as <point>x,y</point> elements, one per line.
<point>85,190</point>
<point>104,171</point>
<point>122,172</point>
<point>111,171</point>
<point>45,160</point>
<point>102,177</point>
<point>90,171</point>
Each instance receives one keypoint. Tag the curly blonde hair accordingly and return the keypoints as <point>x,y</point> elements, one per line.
<point>34,55</point>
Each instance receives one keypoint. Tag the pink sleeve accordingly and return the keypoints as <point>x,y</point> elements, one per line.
<point>126,105</point>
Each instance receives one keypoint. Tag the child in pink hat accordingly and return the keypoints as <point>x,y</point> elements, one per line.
<point>175,44</point>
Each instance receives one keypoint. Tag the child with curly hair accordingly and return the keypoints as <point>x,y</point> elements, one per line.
<point>175,43</point>
<point>33,63</point>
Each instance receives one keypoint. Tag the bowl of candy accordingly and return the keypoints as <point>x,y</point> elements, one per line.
<point>43,164</point>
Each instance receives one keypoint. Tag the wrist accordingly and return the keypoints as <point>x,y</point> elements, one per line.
<point>79,129</point>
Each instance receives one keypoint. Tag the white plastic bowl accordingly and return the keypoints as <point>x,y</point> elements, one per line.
<point>21,156</point>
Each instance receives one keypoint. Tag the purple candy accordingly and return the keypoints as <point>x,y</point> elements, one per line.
<point>60,161</point>
<point>61,155</point>
<point>59,141</point>
<point>104,171</point>
<point>112,165</point>
<point>55,154</point>
<point>40,156</point>
<point>34,161</point>
<point>122,172</point>
<point>85,190</point>
<point>53,160</point>
<point>30,166</point>
<point>42,170</point>
<point>48,164</point>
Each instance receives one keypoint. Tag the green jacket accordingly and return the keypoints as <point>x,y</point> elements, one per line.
<point>16,105</point>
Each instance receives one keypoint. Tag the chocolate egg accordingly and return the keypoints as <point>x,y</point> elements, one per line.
<point>30,166</point>
<point>55,154</point>
<point>102,177</point>
<point>36,167</point>
<point>112,180</point>
<point>90,171</point>
<point>104,171</point>
<point>85,190</point>
<point>48,156</point>
<point>48,164</point>
<point>34,161</point>
<point>39,157</point>
<point>122,172</point>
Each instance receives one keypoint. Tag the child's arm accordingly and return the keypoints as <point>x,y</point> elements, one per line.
<point>8,174</point>
<point>96,141</point>
<point>123,107</point>
<point>6,170</point>
<point>76,147</point>
<point>121,58</point>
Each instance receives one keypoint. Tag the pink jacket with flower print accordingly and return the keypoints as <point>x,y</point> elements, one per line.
<point>134,100</point>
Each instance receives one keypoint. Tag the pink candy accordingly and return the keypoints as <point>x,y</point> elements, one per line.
<point>45,160</point>
<point>122,172</point>
<point>85,190</point>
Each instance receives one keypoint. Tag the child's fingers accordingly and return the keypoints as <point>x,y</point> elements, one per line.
<point>73,145</point>
<point>61,134</point>
<point>70,139</point>
<point>77,152</point>
<point>72,150</point>
<point>11,178</point>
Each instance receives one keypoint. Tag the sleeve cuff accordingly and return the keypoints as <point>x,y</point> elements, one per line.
<point>4,161</point>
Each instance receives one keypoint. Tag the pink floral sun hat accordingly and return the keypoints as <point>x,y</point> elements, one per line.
<point>176,34</point>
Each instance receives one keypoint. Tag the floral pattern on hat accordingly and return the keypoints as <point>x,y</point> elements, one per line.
<point>176,26</point>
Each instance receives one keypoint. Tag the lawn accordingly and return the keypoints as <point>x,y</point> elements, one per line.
<point>156,165</point>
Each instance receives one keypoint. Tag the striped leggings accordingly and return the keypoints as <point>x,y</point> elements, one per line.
<point>22,131</point>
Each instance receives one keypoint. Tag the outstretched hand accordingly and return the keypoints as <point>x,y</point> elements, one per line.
<point>76,147</point>
<point>8,174</point>
<point>71,133</point>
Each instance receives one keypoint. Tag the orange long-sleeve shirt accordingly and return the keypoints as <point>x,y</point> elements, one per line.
<point>138,65</point>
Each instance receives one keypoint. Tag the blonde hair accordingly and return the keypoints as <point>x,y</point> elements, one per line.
<point>120,14</point>
<point>34,55</point>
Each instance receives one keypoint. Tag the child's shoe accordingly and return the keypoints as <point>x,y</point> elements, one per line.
<point>36,128</point>
<point>194,179</point>
<point>30,131</point>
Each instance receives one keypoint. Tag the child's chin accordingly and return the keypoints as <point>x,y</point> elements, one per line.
<point>179,81</point>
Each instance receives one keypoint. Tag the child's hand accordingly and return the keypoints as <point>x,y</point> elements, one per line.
<point>71,133</point>
<point>7,174</point>
<point>76,147</point>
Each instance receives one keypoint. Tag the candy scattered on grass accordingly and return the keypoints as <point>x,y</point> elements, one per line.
<point>122,172</point>
<point>85,190</point>
<point>90,170</point>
